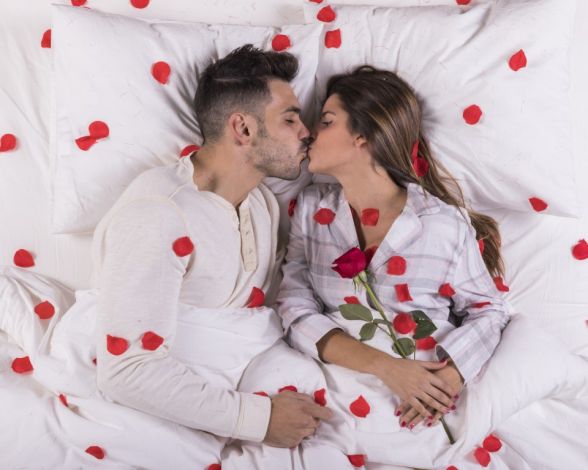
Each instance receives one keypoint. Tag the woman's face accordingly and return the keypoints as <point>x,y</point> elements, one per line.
<point>334,146</point>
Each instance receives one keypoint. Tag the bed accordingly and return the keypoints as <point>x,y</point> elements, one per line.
<point>546,265</point>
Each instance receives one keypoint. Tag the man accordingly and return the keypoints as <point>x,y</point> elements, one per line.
<point>201,235</point>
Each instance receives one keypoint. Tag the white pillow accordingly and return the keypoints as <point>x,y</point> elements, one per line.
<point>103,72</point>
<point>455,57</point>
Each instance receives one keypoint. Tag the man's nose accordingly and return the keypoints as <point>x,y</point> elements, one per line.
<point>308,140</point>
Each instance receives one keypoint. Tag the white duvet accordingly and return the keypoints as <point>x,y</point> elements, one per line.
<point>532,394</point>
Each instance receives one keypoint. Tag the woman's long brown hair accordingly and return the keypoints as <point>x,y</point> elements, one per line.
<point>385,110</point>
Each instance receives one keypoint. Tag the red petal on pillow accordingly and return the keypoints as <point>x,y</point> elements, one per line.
<point>402,292</point>
<point>94,361</point>
<point>452,467</point>
<point>281,42</point>
<point>96,451</point>
<point>420,166</point>
<point>291,207</point>
<point>261,394</point>
<point>98,130</point>
<point>319,397</point>
<point>116,345</point>
<point>492,443</point>
<point>580,250</point>
<point>326,15</point>
<point>472,114</point>
<point>140,3</point>
<point>370,216</point>
<point>333,39</point>
<point>151,341</point>
<point>22,365</point>
<point>63,399</point>
<point>189,149</point>
<point>84,143</point>
<point>500,285</point>
<point>369,254</point>
<point>463,2</point>
<point>446,290</point>
<point>480,304</point>
<point>482,456</point>
<point>396,266</point>
<point>518,61</point>
<point>45,310</point>
<point>23,259</point>
<point>360,407</point>
<point>324,216</point>
<point>357,460</point>
<point>351,300</point>
<point>46,39</point>
<point>78,3</point>
<point>183,246</point>
<point>404,323</point>
<point>538,204</point>
<point>292,388</point>
<point>214,466</point>
<point>424,344</point>
<point>256,298</point>
<point>7,142</point>
<point>316,1</point>
<point>481,246</point>
<point>160,72</point>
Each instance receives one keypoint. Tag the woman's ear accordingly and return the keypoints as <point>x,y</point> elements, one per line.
<point>360,141</point>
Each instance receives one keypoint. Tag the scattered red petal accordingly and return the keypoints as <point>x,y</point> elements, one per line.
<point>360,407</point>
<point>94,361</point>
<point>151,341</point>
<point>256,298</point>
<point>415,150</point>
<point>291,207</point>
<point>518,61</point>
<point>370,217</point>
<point>402,292</point>
<point>78,3</point>
<point>420,166</point>
<point>500,285</point>
<point>45,310</point>
<point>281,42</point>
<point>98,130</point>
<point>23,259</point>
<point>85,142</point>
<point>324,216</point>
<point>261,394</point>
<point>463,2</point>
<point>326,15</point>
<point>446,290</point>
<point>316,1</point>
<point>480,304</point>
<point>472,114</point>
<point>424,344</point>
<point>189,149</point>
<point>482,456</point>
<point>538,205</point>
<point>96,451</point>
<point>183,246</point>
<point>46,40</point>
<point>63,399</point>
<point>580,250</point>
<point>396,266</point>
<point>320,398</point>
<point>292,388</point>
<point>7,142</point>
<point>357,460</point>
<point>214,466</point>
<point>351,300</point>
<point>404,323</point>
<point>369,254</point>
<point>22,365</point>
<point>161,71</point>
<point>333,39</point>
<point>492,443</point>
<point>452,467</point>
<point>116,345</point>
<point>481,246</point>
<point>140,3</point>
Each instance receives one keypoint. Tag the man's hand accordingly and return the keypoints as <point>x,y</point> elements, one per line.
<point>294,417</point>
<point>451,376</point>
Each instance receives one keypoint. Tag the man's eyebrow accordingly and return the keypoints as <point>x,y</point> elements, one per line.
<point>292,109</point>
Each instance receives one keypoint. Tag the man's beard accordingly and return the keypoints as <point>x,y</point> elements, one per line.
<point>272,159</point>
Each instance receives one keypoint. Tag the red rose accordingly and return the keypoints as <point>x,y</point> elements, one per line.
<point>351,263</point>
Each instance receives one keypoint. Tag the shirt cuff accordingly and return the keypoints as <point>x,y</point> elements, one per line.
<point>308,331</point>
<point>254,417</point>
<point>468,369</point>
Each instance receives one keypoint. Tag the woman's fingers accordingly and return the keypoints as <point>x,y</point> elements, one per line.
<point>440,396</point>
<point>442,385</point>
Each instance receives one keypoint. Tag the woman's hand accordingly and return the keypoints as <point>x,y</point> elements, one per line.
<point>411,417</point>
<point>417,384</point>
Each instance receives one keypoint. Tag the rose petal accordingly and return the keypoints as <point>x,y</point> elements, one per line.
<point>22,365</point>
<point>85,142</point>
<point>415,150</point>
<point>500,285</point>
<point>370,217</point>
<point>492,443</point>
<point>140,3</point>
<point>319,397</point>
<point>351,300</point>
<point>402,292</point>
<point>189,149</point>
<point>518,61</point>
<point>452,467</point>
<point>291,388</point>
<point>45,310</point>
<point>360,407</point>
<point>446,290</point>
<point>482,456</point>
<point>424,344</point>
<point>256,298</point>
<point>420,166</point>
<point>538,205</point>
<point>7,142</point>
<point>63,399</point>
<point>404,323</point>
<point>46,39</point>
<point>324,216</point>
<point>78,3</point>
<point>480,304</point>
<point>463,2</point>
<point>316,1</point>
<point>369,254</point>
<point>281,42</point>
<point>357,460</point>
<point>160,71</point>
<point>98,130</point>
<point>396,266</point>
<point>115,345</point>
<point>183,246</point>
<point>96,451</point>
<point>292,207</point>
<point>481,246</point>
<point>23,259</point>
<point>333,39</point>
<point>261,394</point>
<point>472,114</point>
<point>214,466</point>
<point>326,14</point>
<point>151,341</point>
<point>580,250</point>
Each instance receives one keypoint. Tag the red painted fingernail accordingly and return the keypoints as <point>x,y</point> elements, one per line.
<point>430,417</point>
<point>453,408</point>
<point>411,425</point>
<point>429,424</point>
<point>456,397</point>
<point>398,413</point>
<point>403,424</point>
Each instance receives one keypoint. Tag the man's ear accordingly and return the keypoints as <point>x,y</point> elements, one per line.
<point>241,127</point>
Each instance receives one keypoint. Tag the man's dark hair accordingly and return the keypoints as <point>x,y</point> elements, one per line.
<point>239,82</point>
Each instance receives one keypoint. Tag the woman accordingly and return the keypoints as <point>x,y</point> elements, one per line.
<point>425,252</point>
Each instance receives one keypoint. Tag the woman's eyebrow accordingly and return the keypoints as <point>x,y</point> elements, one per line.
<point>292,109</point>
<point>328,112</point>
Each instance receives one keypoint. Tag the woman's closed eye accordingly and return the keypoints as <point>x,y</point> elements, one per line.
<point>325,123</point>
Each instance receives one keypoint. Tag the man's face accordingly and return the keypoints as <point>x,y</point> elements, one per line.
<point>280,145</point>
